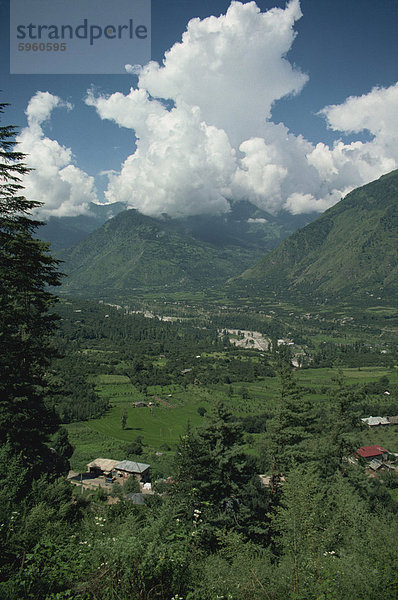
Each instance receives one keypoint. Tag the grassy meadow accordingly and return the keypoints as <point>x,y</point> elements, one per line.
<point>161,426</point>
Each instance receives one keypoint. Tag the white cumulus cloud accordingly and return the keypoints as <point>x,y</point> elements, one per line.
<point>360,162</point>
<point>217,142</point>
<point>204,135</point>
<point>233,67</point>
<point>222,79</point>
<point>375,112</point>
<point>181,166</point>
<point>64,189</point>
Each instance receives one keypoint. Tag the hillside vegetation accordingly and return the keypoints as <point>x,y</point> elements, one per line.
<point>134,251</point>
<point>350,251</point>
<point>63,232</point>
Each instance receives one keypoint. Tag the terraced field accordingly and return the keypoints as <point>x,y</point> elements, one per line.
<point>161,425</point>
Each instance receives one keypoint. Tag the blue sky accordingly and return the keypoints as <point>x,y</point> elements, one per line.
<point>336,50</point>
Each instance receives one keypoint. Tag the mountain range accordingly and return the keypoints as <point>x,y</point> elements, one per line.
<point>349,252</point>
<point>132,250</point>
<point>63,232</point>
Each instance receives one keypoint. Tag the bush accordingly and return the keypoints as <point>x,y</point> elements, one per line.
<point>117,490</point>
<point>135,448</point>
<point>161,487</point>
<point>131,486</point>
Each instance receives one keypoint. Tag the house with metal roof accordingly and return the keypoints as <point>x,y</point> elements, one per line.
<point>375,421</point>
<point>126,468</point>
<point>375,464</point>
<point>371,452</point>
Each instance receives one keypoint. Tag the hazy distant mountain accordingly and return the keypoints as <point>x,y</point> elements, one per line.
<point>245,225</point>
<point>63,232</point>
<point>350,251</point>
<point>135,251</point>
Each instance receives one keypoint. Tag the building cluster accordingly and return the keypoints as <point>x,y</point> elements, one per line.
<point>377,458</point>
<point>114,469</point>
<point>103,472</point>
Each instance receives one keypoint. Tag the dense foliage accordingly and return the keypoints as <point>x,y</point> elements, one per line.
<point>69,392</point>
<point>357,354</point>
<point>28,465</point>
<point>216,532</point>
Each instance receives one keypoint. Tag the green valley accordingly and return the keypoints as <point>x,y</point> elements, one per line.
<point>161,372</point>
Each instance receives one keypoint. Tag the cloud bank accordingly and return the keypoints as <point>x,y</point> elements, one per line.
<point>218,143</point>
<point>64,189</point>
<point>204,131</point>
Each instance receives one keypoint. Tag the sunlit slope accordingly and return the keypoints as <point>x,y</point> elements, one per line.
<point>350,250</point>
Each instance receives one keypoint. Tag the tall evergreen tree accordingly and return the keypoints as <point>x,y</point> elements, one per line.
<point>290,432</point>
<point>216,483</point>
<point>342,436</point>
<point>26,271</point>
<point>210,461</point>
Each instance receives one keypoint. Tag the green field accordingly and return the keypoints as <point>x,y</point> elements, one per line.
<point>162,425</point>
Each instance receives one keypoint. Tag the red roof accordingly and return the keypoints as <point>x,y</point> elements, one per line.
<point>370,451</point>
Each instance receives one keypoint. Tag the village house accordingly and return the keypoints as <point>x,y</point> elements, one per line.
<point>102,467</point>
<point>372,452</point>
<point>375,421</point>
<point>128,468</point>
<point>106,467</point>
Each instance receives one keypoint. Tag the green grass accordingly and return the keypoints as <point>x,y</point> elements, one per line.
<point>90,444</point>
<point>162,426</point>
<point>118,389</point>
<point>383,310</point>
<point>366,374</point>
<point>157,425</point>
<point>352,375</point>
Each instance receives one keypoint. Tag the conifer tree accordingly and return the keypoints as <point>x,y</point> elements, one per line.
<point>289,432</point>
<point>342,435</point>
<point>216,483</point>
<point>26,271</point>
<point>211,468</point>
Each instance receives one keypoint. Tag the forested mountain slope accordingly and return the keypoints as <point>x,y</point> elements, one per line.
<point>351,250</point>
<point>136,251</point>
